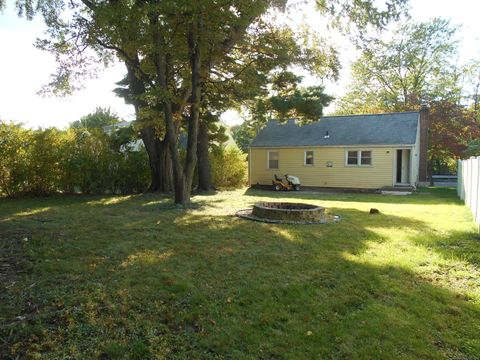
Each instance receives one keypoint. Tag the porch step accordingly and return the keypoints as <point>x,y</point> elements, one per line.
<point>406,188</point>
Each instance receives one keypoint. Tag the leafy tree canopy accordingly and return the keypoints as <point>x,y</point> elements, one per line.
<point>100,118</point>
<point>285,100</point>
<point>416,65</point>
<point>471,86</point>
<point>453,131</point>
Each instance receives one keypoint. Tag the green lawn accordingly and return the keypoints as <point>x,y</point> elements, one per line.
<point>135,277</point>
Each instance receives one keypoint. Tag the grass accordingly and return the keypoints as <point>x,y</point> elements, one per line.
<point>135,277</point>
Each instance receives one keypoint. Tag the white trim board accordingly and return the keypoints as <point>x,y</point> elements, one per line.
<point>334,146</point>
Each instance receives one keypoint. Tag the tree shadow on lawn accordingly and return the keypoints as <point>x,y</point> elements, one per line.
<point>459,245</point>
<point>196,286</point>
<point>260,291</point>
<point>425,196</point>
<point>42,208</point>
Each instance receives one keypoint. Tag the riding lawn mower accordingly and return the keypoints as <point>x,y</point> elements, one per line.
<point>291,183</point>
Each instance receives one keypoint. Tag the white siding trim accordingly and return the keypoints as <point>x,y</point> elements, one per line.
<point>337,146</point>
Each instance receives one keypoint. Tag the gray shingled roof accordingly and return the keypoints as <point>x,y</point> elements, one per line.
<point>378,129</point>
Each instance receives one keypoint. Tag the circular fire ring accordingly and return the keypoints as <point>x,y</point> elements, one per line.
<point>285,213</point>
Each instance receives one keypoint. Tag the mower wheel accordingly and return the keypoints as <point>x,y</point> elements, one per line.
<point>278,187</point>
<point>297,187</point>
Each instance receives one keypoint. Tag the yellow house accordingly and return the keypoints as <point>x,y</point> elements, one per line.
<point>358,151</point>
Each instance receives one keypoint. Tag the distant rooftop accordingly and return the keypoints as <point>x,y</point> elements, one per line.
<point>120,124</point>
<point>374,129</point>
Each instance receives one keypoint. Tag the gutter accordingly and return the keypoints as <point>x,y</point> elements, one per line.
<point>336,146</point>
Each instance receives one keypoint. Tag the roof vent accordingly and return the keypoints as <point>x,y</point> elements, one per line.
<point>327,135</point>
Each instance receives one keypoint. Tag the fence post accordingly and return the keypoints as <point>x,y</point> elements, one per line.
<point>471,189</point>
<point>468,187</point>
<point>467,183</point>
<point>459,178</point>
<point>476,186</point>
<point>474,196</point>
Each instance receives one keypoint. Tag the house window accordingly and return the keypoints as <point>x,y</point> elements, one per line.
<point>352,158</point>
<point>273,159</point>
<point>359,157</point>
<point>308,158</point>
<point>365,158</point>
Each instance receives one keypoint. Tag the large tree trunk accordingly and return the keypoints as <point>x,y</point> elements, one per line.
<point>151,146</point>
<point>177,170</point>
<point>193,121</point>
<point>157,150</point>
<point>182,175</point>
<point>166,172</point>
<point>203,164</point>
<point>159,161</point>
<point>179,184</point>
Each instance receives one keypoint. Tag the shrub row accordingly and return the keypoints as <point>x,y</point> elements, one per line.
<point>42,162</point>
<point>90,161</point>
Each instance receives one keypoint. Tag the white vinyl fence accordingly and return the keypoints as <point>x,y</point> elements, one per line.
<point>468,185</point>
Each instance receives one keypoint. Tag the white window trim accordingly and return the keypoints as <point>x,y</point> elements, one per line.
<point>359,158</point>
<point>305,158</point>
<point>268,159</point>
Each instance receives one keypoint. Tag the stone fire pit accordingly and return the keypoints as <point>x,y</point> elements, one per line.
<point>285,212</point>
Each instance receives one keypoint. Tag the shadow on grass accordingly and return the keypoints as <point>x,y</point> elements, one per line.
<point>125,281</point>
<point>258,290</point>
<point>460,245</point>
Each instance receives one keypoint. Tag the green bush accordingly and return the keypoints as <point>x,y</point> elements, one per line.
<point>229,167</point>
<point>90,166</point>
<point>89,161</point>
<point>45,161</point>
<point>14,158</point>
<point>132,162</point>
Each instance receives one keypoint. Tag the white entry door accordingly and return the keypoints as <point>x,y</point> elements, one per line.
<point>402,174</point>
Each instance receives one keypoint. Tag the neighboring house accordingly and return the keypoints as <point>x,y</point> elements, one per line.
<point>357,151</point>
<point>183,138</point>
<point>135,145</point>
<point>110,128</point>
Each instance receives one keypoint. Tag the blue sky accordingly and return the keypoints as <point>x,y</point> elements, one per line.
<point>24,69</point>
